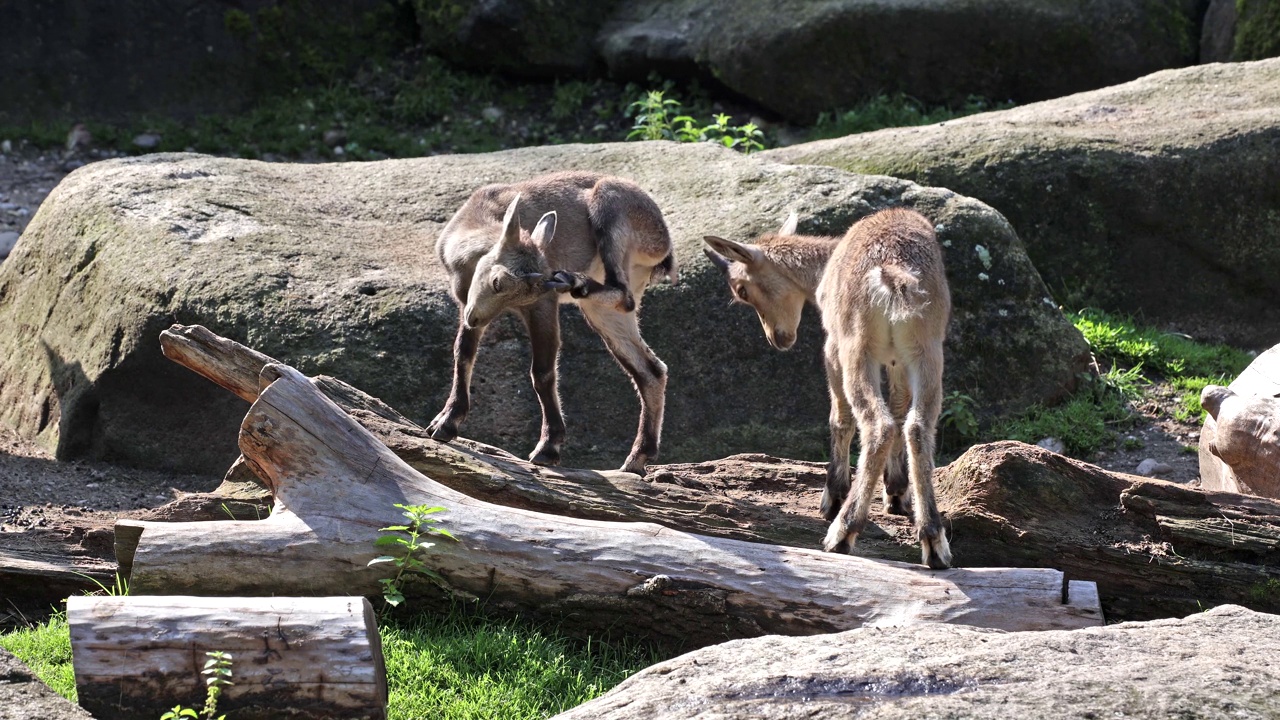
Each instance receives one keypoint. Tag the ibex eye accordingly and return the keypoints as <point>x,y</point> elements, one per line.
<point>497,283</point>
<point>741,291</point>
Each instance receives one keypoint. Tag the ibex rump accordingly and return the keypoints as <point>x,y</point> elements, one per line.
<point>882,292</point>
<point>595,240</point>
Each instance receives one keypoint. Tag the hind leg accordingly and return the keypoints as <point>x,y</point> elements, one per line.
<point>621,334</point>
<point>897,498</point>
<point>444,427</point>
<point>925,378</point>
<point>876,429</point>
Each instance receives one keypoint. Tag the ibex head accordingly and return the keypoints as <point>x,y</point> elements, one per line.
<point>760,282</point>
<point>511,274</point>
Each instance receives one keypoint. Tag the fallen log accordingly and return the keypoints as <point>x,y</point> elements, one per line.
<point>136,657</point>
<point>335,485</point>
<point>1007,504</point>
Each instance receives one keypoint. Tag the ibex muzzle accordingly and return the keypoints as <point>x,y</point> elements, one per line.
<point>595,240</point>
<point>883,295</point>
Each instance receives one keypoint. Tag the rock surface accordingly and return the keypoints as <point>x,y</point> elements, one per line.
<point>1240,440</point>
<point>1221,663</point>
<point>331,269</point>
<point>1159,196</point>
<point>24,697</point>
<point>785,54</point>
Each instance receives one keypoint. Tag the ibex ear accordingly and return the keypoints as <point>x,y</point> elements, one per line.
<point>733,251</point>
<point>717,259</point>
<point>510,225</point>
<point>789,227</point>
<point>545,229</point>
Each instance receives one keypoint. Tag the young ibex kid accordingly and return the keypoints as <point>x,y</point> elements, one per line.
<point>593,239</point>
<point>883,296</point>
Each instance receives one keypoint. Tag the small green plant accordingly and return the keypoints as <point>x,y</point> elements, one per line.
<point>958,419</point>
<point>408,539</point>
<point>118,588</point>
<point>657,117</point>
<point>1132,443</point>
<point>217,672</point>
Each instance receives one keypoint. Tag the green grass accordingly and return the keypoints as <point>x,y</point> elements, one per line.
<point>1137,355</point>
<point>899,110</point>
<point>46,649</point>
<point>459,665</point>
<point>1168,355</point>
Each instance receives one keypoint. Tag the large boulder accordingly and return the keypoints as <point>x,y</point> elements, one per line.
<point>1158,197</point>
<point>785,55</point>
<point>24,697</point>
<point>332,269</point>
<point>1220,663</point>
<point>1240,440</point>
<point>72,60</point>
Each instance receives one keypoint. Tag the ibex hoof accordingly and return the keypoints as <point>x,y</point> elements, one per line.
<point>936,551</point>
<point>634,465</point>
<point>565,281</point>
<point>546,457</point>
<point>830,505</point>
<point>443,431</point>
<point>898,505</point>
<point>837,540</point>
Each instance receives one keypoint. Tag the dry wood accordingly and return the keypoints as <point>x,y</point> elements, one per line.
<point>335,484</point>
<point>308,657</point>
<point>1098,526</point>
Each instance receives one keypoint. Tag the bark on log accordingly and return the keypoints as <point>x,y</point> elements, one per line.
<point>335,484</point>
<point>1007,505</point>
<point>137,657</point>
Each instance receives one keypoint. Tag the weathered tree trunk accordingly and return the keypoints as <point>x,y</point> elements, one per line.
<point>308,657</point>
<point>1007,504</point>
<point>335,484</point>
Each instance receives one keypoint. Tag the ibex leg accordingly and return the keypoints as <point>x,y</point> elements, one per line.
<point>842,429</point>
<point>925,377</point>
<point>897,499</point>
<point>621,334</point>
<point>543,322</point>
<point>445,425</point>
<point>876,429</point>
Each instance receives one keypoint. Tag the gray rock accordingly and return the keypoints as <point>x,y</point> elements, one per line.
<point>1219,663</point>
<point>491,114</point>
<point>24,697</point>
<point>334,137</point>
<point>1120,190</point>
<point>332,268</point>
<point>785,54</point>
<point>1150,467</point>
<point>8,239</point>
<point>1053,444</point>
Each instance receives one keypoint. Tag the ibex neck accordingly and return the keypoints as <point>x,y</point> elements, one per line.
<point>801,257</point>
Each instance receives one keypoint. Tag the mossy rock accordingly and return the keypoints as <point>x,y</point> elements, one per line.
<point>332,269</point>
<point>800,58</point>
<point>1159,197</point>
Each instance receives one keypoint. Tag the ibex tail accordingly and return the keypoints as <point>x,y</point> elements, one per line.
<point>897,292</point>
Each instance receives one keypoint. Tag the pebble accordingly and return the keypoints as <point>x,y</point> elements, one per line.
<point>335,137</point>
<point>1152,467</point>
<point>492,114</point>
<point>147,141</point>
<point>6,147</point>
<point>1053,444</point>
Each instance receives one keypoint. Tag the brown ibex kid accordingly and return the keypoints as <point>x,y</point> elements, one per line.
<point>595,240</point>
<point>882,292</point>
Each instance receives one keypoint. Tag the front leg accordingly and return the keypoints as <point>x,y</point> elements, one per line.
<point>543,322</point>
<point>842,428</point>
<point>465,346</point>
<point>580,286</point>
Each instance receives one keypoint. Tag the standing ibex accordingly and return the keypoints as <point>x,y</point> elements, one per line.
<point>594,239</point>
<point>883,296</point>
